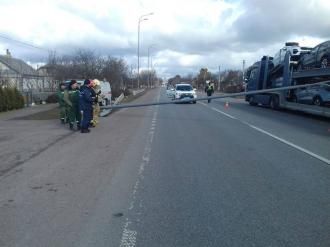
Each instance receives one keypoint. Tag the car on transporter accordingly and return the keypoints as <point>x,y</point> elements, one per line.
<point>317,57</point>
<point>318,95</point>
<point>295,51</point>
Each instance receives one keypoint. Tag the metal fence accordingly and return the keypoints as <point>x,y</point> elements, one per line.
<point>35,97</point>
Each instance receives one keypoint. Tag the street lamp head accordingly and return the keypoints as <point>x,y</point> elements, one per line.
<point>151,13</point>
<point>146,15</point>
<point>143,19</point>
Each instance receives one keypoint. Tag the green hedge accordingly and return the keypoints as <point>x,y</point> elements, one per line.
<point>10,99</point>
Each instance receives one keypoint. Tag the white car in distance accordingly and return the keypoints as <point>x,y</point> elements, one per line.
<point>185,91</point>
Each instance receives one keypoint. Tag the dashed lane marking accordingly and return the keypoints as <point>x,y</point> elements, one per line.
<point>129,235</point>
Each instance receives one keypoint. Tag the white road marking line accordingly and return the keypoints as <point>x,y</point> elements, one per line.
<point>244,122</point>
<point>128,238</point>
<point>217,110</point>
<point>319,157</point>
<point>223,113</point>
<point>325,160</point>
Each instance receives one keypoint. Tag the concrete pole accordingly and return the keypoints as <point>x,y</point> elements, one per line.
<point>219,79</point>
<point>138,84</point>
<point>149,66</point>
<point>243,70</point>
<point>141,18</point>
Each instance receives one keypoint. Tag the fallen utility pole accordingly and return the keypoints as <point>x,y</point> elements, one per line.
<point>212,97</point>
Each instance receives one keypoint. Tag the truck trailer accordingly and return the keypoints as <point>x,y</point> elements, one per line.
<point>263,75</point>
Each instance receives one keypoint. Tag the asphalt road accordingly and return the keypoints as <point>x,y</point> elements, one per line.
<point>176,175</point>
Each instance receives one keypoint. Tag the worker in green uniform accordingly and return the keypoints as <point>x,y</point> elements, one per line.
<point>67,102</point>
<point>73,105</point>
<point>60,96</point>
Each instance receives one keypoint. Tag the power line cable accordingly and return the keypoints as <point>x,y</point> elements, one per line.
<point>24,43</point>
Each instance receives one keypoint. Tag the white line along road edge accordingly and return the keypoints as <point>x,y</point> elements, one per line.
<point>323,159</point>
<point>129,235</point>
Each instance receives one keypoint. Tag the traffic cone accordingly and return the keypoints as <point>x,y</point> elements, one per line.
<point>227,104</point>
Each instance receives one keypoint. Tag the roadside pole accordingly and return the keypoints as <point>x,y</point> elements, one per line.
<point>219,79</point>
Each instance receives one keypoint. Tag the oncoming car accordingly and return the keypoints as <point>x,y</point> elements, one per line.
<point>170,92</point>
<point>185,91</point>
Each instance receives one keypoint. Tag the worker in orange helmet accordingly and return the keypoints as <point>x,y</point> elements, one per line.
<point>96,106</point>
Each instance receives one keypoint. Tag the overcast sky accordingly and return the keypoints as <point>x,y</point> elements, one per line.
<point>186,34</point>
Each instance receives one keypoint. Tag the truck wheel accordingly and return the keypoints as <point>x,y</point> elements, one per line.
<point>274,103</point>
<point>317,101</point>
<point>300,67</point>
<point>294,99</point>
<point>251,101</point>
<point>324,62</point>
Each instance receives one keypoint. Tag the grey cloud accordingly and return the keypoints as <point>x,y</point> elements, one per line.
<point>263,25</point>
<point>267,22</point>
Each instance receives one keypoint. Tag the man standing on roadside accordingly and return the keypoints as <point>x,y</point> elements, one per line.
<point>73,111</point>
<point>209,90</point>
<point>60,96</point>
<point>96,106</point>
<point>86,105</point>
<point>67,103</point>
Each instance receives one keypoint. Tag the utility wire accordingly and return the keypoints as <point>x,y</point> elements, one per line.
<point>24,43</point>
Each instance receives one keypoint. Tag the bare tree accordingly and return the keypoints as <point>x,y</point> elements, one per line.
<point>116,71</point>
<point>86,64</point>
<point>203,76</point>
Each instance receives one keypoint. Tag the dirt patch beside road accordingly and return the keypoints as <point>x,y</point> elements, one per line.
<point>23,136</point>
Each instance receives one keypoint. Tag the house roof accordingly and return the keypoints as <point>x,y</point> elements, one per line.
<point>46,66</point>
<point>17,65</point>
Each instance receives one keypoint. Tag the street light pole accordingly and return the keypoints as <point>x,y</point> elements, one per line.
<point>219,79</point>
<point>132,76</point>
<point>148,67</point>
<point>153,71</point>
<point>243,70</point>
<point>141,18</point>
<point>150,46</point>
<point>138,84</point>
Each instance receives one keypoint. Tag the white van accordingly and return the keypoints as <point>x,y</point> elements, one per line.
<point>105,93</point>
